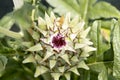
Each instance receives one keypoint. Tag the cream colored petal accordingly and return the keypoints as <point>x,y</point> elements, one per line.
<point>52,16</point>
<point>74,21</point>
<point>41,21</point>
<point>73,36</point>
<point>79,27</point>
<point>89,49</point>
<point>48,54</point>
<point>48,21</point>
<point>86,41</point>
<point>79,45</point>
<point>85,33</point>
<point>66,21</point>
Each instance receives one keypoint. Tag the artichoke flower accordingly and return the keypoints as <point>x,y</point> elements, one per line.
<point>62,48</point>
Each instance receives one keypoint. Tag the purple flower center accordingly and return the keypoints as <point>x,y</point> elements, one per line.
<point>58,41</point>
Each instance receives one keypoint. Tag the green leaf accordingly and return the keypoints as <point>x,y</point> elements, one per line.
<point>103,9</point>
<point>3,62</point>
<point>24,19</point>
<point>5,49</point>
<point>85,75</point>
<point>7,21</point>
<point>36,47</point>
<point>116,49</point>
<point>36,35</point>
<point>27,44</point>
<point>85,8</point>
<point>103,75</point>
<point>63,6</point>
<point>11,33</point>
<point>99,66</point>
<point>97,39</point>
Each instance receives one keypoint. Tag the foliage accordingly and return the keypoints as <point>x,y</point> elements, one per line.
<point>18,48</point>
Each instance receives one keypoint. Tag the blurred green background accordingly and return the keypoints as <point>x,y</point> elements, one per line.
<point>7,5</point>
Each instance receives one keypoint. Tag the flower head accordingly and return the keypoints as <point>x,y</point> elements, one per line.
<point>67,37</point>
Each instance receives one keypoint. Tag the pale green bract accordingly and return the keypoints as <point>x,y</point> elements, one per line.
<point>62,47</point>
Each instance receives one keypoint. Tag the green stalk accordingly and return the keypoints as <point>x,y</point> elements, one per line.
<point>86,9</point>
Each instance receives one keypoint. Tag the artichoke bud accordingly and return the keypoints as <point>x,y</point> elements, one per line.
<point>63,46</point>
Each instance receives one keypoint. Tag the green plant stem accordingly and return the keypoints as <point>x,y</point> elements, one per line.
<point>99,63</point>
<point>34,1</point>
<point>33,11</point>
<point>86,9</point>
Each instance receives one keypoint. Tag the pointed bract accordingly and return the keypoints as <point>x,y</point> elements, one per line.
<point>29,59</point>
<point>85,33</point>
<point>61,69</point>
<point>82,64</point>
<point>40,70</point>
<point>36,47</point>
<point>48,54</point>
<point>67,75</point>
<point>66,58</point>
<point>56,76</point>
<point>74,70</point>
<point>48,21</point>
<point>52,63</point>
<point>66,21</point>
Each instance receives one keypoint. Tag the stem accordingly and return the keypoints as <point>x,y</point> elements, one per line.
<point>89,64</point>
<point>86,9</point>
<point>98,39</point>
<point>34,1</point>
<point>33,11</point>
<point>33,15</point>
